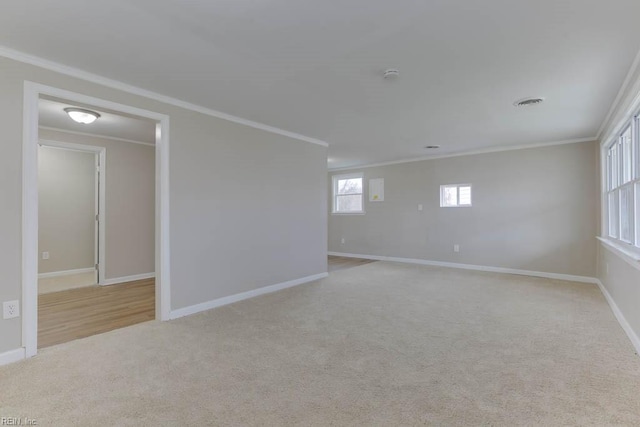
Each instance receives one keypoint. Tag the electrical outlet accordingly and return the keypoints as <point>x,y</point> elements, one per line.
<point>342,241</point>
<point>45,255</point>
<point>10,309</point>
<point>456,248</point>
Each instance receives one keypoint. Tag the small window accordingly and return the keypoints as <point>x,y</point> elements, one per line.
<point>455,195</point>
<point>347,194</point>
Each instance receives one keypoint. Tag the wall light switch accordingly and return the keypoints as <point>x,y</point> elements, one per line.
<point>45,255</point>
<point>419,206</point>
<point>456,248</point>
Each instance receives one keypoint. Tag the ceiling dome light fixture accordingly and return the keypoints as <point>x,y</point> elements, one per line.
<point>527,102</point>
<point>391,74</point>
<point>80,115</point>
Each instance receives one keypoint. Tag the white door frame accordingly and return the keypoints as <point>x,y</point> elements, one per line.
<point>101,185</point>
<point>32,93</point>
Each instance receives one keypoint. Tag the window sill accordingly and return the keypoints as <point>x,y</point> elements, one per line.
<point>348,213</point>
<point>630,255</point>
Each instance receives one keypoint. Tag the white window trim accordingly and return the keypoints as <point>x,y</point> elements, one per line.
<point>628,250</point>
<point>334,193</point>
<point>457,205</point>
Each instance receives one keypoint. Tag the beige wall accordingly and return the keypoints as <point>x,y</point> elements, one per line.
<point>66,209</point>
<point>248,207</point>
<point>130,203</point>
<point>619,275</point>
<point>533,209</point>
<point>622,281</point>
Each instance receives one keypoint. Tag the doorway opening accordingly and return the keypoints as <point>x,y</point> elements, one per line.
<point>55,154</point>
<point>71,194</point>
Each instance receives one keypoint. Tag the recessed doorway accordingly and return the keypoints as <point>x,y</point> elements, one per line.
<point>115,281</point>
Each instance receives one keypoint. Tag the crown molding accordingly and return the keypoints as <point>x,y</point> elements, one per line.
<point>618,115</point>
<point>125,87</point>
<point>469,153</point>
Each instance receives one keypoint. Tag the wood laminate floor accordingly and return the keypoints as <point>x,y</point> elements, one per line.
<point>79,313</point>
<point>340,263</point>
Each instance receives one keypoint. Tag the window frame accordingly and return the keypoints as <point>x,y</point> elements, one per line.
<point>334,193</point>
<point>615,162</point>
<point>457,186</point>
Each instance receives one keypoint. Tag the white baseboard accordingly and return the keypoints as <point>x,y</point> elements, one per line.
<point>12,356</point>
<point>66,272</point>
<point>635,340</point>
<point>186,311</point>
<point>557,276</point>
<point>117,280</point>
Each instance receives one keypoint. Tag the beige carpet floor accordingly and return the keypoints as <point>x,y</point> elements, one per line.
<point>383,344</point>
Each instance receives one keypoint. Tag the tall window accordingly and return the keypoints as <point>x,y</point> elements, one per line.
<point>623,185</point>
<point>348,194</point>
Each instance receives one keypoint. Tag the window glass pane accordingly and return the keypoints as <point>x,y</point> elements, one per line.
<point>350,203</point>
<point>610,169</point>
<point>626,155</point>
<point>637,214</point>
<point>609,183</point>
<point>614,166</point>
<point>450,196</point>
<point>626,213</point>
<point>613,214</point>
<point>350,186</point>
<point>465,195</point>
<point>636,148</point>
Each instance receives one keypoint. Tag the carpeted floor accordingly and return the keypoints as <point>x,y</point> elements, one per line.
<point>382,344</point>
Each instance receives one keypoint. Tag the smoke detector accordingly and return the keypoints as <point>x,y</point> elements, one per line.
<point>391,74</point>
<point>527,102</point>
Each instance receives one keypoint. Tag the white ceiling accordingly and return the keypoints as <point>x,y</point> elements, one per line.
<point>314,67</point>
<point>110,124</point>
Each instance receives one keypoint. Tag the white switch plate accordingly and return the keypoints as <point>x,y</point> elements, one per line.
<point>10,309</point>
<point>342,241</point>
<point>45,255</point>
<point>420,206</point>
<point>456,248</point>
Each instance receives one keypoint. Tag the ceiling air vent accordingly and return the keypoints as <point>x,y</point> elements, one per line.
<point>391,74</point>
<point>527,102</point>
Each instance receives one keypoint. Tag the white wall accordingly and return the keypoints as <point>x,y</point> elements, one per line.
<point>129,210</point>
<point>533,209</point>
<point>248,207</point>
<point>66,210</point>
